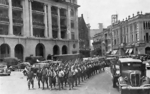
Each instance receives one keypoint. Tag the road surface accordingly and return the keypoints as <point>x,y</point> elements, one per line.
<point>98,84</point>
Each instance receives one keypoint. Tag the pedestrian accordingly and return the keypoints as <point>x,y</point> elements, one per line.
<point>30,78</point>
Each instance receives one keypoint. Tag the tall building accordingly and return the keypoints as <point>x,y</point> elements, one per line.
<point>132,35</point>
<point>93,32</point>
<point>84,39</point>
<point>102,42</point>
<point>38,28</point>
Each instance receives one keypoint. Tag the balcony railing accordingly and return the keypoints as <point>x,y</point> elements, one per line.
<point>62,15</point>
<point>19,20</point>
<point>54,13</point>
<point>54,26</point>
<point>63,27</point>
<point>17,5</point>
<point>38,23</point>
<point>4,18</point>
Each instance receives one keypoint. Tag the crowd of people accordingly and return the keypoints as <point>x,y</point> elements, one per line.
<point>69,74</point>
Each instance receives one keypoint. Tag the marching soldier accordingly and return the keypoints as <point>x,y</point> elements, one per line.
<point>30,78</point>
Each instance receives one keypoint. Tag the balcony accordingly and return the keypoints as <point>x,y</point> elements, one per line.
<point>38,23</point>
<point>37,6</point>
<point>4,18</point>
<point>4,2</point>
<point>63,27</point>
<point>16,3</point>
<point>17,21</point>
<point>62,13</point>
<point>54,13</point>
<point>54,26</point>
<point>54,10</point>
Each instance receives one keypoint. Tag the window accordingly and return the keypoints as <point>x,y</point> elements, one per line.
<point>72,36</point>
<point>135,37</point>
<point>144,25</point>
<point>72,12</point>
<point>17,30</point>
<point>72,24</point>
<point>147,37</point>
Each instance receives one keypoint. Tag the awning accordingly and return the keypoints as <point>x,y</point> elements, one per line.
<point>112,52</point>
<point>130,51</point>
<point>115,51</point>
<point>108,52</point>
<point>127,50</point>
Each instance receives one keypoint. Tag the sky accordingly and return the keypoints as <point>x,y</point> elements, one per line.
<point>100,11</point>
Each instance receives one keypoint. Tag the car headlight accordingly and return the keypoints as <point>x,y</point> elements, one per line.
<point>118,72</point>
<point>147,64</point>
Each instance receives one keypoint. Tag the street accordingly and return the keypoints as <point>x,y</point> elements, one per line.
<point>98,84</point>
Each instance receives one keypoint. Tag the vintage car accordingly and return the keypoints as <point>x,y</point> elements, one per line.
<point>147,64</point>
<point>4,70</point>
<point>129,76</point>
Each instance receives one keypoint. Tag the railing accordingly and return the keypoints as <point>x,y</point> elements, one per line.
<point>38,23</point>
<point>54,26</point>
<point>4,18</point>
<point>62,15</point>
<point>19,20</point>
<point>54,13</point>
<point>17,5</point>
<point>63,27</point>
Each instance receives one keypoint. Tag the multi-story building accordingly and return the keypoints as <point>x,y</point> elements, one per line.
<point>84,39</point>
<point>132,36</point>
<point>97,44</point>
<point>93,32</point>
<point>107,40</point>
<point>102,42</point>
<point>38,28</point>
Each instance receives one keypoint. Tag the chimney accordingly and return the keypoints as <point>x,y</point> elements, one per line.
<point>133,15</point>
<point>141,12</point>
<point>82,15</point>
<point>129,17</point>
<point>138,13</point>
<point>123,19</point>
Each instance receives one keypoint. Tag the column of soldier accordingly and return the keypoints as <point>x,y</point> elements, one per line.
<point>70,74</point>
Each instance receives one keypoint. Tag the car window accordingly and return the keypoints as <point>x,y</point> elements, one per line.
<point>131,66</point>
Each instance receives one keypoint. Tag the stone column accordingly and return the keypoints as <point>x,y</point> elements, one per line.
<point>59,29</point>
<point>68,30</point>
<point>10,32</point>
<point>76,29</point>
<point>26,18</point>
<point>31,21</point>
<point>49,22</point>
<point>68,24</point>
<point>45,20</point>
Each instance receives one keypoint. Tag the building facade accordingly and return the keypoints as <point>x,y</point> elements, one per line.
<point>38,28</point>
<point>102,42</point>
<point>84,39</point>
<point>132,35</point>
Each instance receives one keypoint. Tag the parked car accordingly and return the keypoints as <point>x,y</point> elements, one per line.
<point>131,77</point>
<point>34,59</point>
<point>4,70</point>
<point>13,67</point>
<point>10,61</point>
<point>147,64</point>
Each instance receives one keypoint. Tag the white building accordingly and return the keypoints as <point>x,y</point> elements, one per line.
<point>38,28</point>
